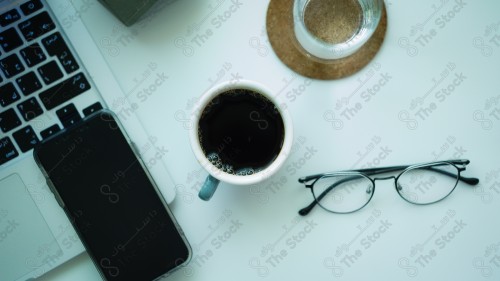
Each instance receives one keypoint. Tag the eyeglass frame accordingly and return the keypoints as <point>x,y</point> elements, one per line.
<point>367,173</point>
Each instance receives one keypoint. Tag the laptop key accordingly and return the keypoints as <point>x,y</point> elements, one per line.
<point>50,72</point>
<point>9,17</point>
<point>30,109</point>
<point>25,138</point>
<point>8,94</point>
<point>68,115</point>
<point>30,7</point>
<point>91,109</point>
<point>50,131</point>
<point>55,46</point>
<point>10,39</point>
<point>28,83</point>
<point>36,26</point>
<point>64,91</point>
<point>9,120</point>
<point>7,150</point>
<point>33,55</point>
<point>11,66</point>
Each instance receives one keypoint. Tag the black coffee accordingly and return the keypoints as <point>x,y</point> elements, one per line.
<point>241,132</point>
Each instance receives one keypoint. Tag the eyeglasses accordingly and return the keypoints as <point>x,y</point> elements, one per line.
<point>348,191</point>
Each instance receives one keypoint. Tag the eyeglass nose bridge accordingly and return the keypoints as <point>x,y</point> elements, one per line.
<point>372,186</point>
<point>385,178</point>
<point>398,187</point>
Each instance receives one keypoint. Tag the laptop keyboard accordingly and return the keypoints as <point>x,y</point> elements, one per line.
<point>38,72</point>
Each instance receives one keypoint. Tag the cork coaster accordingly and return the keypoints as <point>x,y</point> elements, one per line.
<point>281,35</point>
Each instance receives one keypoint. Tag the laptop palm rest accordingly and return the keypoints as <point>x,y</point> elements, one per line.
<point>25,239</point>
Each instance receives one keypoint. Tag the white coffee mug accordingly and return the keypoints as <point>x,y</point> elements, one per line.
<point>217,175</point>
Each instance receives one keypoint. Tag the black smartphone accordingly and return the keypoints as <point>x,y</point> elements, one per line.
<point>99,180</point>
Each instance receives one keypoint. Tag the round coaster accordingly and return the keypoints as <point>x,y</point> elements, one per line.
<point>281,35</point>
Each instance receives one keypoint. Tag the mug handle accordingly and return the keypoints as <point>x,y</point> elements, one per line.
<point>208,188</point>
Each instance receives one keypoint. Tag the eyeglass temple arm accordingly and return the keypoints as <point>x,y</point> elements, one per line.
<point>373,171</point>
<point>471,181</point>
<point>370,171</point>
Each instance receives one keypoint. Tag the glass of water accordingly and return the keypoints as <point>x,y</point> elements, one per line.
<point>333,29</point>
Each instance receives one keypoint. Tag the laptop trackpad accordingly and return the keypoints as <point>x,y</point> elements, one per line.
<point>26,242</point>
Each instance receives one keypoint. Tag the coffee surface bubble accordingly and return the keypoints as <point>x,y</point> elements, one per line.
<point>215,159</point>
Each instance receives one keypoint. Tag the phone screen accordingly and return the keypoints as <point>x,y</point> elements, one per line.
<point>108,195</point>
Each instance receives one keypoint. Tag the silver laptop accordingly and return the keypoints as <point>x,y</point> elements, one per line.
<point>50,78</point>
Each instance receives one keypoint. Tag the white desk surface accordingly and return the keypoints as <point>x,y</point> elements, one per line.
<point>418,115</point>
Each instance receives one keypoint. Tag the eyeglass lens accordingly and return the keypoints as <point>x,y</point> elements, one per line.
<point>343,193</point>
<point>427,184</point>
